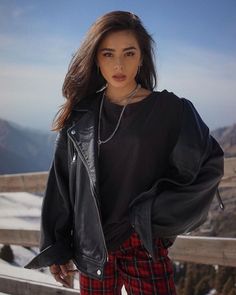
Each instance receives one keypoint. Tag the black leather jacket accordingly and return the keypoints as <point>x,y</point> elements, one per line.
<point>177,203</point>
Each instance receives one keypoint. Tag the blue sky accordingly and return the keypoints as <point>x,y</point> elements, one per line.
<point>196,53</point>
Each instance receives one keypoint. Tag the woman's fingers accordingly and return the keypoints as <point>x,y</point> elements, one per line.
<point>68,273</point>
<point>54,269</point>
<point>65,269</point>
<point>62,280</point>
<point>63,273</point>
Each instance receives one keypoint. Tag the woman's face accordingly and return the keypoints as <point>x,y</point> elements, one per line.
<point>118,57</point>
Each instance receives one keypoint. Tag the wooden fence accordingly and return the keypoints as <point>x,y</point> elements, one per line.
<point>205,250</point>
<point>35,182</point>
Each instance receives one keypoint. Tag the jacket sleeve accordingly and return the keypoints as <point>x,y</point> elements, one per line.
<point>56,215</point>
<point>182,205</point>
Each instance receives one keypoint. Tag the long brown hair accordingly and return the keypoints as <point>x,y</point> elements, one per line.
<point>83,78</point>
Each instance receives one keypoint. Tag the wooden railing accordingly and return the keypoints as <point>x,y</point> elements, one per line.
<point>205,250</point>
<point>27,286</point>
<point>36,182</point>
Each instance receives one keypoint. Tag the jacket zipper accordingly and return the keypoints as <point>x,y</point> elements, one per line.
<point>93,192</point>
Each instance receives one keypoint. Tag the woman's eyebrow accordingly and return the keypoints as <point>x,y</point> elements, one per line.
<point>111,49</point>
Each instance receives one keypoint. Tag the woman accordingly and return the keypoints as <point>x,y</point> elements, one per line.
<point>132,168</point>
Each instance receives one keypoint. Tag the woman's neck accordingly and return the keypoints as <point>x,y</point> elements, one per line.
<point>119,94</point>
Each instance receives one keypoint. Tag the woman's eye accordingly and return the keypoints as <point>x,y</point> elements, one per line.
<point>107,54</point>
<point>130,53</point>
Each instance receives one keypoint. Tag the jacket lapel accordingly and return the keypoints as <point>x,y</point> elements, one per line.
<point>85,136</point>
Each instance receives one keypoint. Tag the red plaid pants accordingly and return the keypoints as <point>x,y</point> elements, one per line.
<point>132,267</point>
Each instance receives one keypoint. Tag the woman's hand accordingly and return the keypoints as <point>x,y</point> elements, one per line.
<point>63,273</point>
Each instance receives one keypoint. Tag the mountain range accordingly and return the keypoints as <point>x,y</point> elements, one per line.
<point>226,136</point>
<point>29,150</point>
<point>24,149</point>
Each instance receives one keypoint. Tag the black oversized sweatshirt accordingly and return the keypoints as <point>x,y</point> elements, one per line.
<point>135,157</point>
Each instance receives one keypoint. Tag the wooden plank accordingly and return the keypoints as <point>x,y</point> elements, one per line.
<point>229,178</point>
<point>16,286</point>
<point>17,280</point>
<point>230,166</point>
<point>25,182</point>
<point>22,237</point>
<point>24,281</point>
<point>205,250</point>
<point>228,181</point>
<point>36,181</point>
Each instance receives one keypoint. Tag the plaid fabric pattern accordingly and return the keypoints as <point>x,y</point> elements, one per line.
<point>132,267</point>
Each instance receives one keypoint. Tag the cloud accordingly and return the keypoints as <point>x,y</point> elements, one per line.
<point>30,94</point>
<point>17,12</point>
<point>31,77</point>
<point>204,76</point>
<point>35,49</point>
<point>31,82</point>
<point>27,36</point>
<point>12,14</point>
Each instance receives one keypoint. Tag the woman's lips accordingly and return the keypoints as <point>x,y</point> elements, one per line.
<point>119,77</point>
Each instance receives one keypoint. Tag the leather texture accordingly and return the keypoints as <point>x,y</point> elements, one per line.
<point>175,204</point>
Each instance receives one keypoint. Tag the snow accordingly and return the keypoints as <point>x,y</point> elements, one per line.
<point>22,211</point>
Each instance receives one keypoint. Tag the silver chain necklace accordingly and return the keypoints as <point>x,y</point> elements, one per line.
<point>129,97</point>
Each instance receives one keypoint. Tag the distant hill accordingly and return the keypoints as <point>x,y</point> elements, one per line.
<point>28,150</point>
<point>24,149</point>
<point>226,136</point>
<point>223,223</point>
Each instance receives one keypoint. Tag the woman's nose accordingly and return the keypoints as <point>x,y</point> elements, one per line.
<point>118,64</point>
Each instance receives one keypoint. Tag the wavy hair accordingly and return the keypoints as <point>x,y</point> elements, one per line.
<point>83,78</point>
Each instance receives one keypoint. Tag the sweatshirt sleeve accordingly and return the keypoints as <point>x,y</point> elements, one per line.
<point>196,168</point>
<point>56,215</point>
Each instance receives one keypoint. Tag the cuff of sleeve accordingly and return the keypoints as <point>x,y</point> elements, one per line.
<point>58,253</point>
